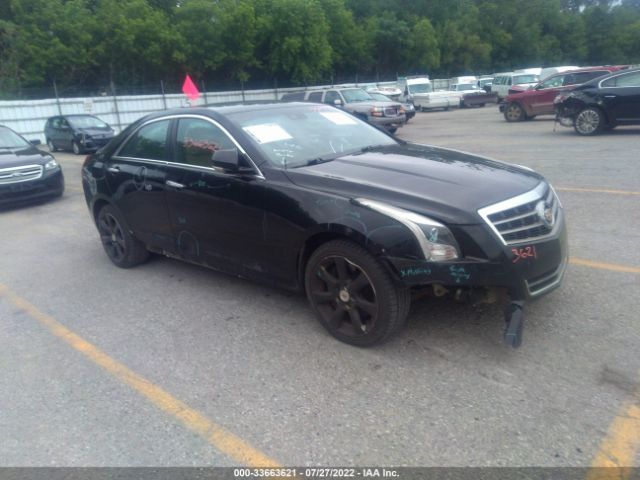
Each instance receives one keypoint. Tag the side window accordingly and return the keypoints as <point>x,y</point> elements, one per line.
<point>331,96</point>
<point>555,81</point>
<point>149,142</point>
<point>315,97</point>
<point>626,80</point>
<point>197,140</point>
<point>509,79</point>
<point>629,80</point>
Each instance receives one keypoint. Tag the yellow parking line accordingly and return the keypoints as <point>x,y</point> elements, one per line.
<point>603,266</point>
<point>223,440</point>
<point>596,190</point>
<point>619,447</point>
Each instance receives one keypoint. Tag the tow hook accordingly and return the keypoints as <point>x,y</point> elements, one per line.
<point>514,319</point>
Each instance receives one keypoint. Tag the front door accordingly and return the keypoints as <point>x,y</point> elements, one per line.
<point>217,217</point>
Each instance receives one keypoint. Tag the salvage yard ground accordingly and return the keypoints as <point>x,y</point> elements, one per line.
<point>171,364</point>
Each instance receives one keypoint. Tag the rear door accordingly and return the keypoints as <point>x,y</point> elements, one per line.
<point>137,176</point>
<point>621,96</point>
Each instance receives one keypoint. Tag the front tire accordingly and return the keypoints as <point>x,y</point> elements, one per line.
<point>52,147</point>
<point>122,248</point>
<point>75,146</point>
<point>513,112</point>
<point>589,121</point>
<point>353,295</point>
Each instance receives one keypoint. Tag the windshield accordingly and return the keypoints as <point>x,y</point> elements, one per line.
<point>379,97</point>
<point>420,88</point>
<point>355,95</point>
<point>87,122</point>
<point>295,136</point>
<point>520,79</point>
<point>10,139</point>
<point>467,86</point>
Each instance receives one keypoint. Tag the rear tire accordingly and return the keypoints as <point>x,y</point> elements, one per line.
<point>353,295</point>
<point>589,121</point>
<point>122,248</point>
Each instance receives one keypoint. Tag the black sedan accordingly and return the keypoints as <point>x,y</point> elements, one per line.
<point>26,173</point>
<point>310,198</point>
<point>78,133</point>
<point>602,103</point>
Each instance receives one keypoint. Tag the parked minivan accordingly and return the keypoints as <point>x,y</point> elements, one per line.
<point>504,83</point>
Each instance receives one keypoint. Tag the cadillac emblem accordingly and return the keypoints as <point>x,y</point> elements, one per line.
<point>545,213</point>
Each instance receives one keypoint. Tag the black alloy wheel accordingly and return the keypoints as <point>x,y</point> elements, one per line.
<point>122,248</point>
<point>513,112</point>
<point>353,295</point>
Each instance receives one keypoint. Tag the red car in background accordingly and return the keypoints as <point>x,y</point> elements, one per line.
<point>539,99</point>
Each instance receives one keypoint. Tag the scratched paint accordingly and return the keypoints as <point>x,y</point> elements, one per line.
<point>459,273</point>
<point>414,271</point>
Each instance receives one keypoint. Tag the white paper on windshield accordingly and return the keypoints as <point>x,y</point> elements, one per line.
<point>338,118</point>
<point>267,132</point>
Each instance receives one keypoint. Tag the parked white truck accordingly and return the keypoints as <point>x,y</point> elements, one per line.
<point>419,91</point>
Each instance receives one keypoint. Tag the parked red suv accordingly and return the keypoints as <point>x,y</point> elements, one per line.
<point>539,99</point>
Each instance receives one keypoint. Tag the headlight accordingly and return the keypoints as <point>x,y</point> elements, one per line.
<point>377,112</point>
<point>436,241</point>
<point>51,164</point>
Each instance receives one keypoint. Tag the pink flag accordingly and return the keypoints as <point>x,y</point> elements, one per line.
<point>189,89</point>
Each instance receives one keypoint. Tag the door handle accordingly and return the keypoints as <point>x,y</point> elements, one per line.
<point>610,96</point>
<point>113,169</point>
<point>171,183</point>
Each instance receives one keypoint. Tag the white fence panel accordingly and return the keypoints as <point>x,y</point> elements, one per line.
<point>28,117</point>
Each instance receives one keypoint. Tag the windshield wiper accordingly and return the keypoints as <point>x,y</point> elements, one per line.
<point>315,161</point>
<point>372,148</point>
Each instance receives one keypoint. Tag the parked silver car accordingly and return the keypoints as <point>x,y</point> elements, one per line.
<point>388,115</point>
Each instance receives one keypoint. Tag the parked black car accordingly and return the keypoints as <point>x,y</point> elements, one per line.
<point>602,103</point>
<point>78,133</point>
<point>310,198</point>
<point>26,173</point>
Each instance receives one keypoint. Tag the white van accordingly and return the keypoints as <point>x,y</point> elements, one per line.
<point>504,82</point>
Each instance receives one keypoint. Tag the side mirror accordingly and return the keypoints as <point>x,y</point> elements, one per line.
<point>337,101</point>
<point>228,160</point>
<point>34,142</point>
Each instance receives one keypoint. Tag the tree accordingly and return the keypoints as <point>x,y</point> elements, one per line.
<point>293,40</point>
<point>424,50</point>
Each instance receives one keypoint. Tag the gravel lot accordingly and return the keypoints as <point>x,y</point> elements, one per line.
<point>252,359</point>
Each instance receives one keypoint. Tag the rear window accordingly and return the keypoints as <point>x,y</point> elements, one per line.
<point>293,97</point>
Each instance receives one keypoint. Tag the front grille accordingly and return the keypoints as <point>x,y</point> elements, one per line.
<point>20,174</point>
<point>546,281</point>
<point>522,218</point>
<point>391,111</point>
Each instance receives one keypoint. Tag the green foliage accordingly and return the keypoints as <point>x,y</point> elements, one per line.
<point>94,42</point>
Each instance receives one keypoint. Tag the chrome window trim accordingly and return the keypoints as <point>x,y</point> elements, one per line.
<point>258,173</point>
<point>527,197</point>
<point>23,167</point>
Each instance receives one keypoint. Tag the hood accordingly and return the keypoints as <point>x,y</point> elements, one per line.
<point>23,156</point>
<point>445,184</point>
<point>96,132</point>
<point>376,103</point>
